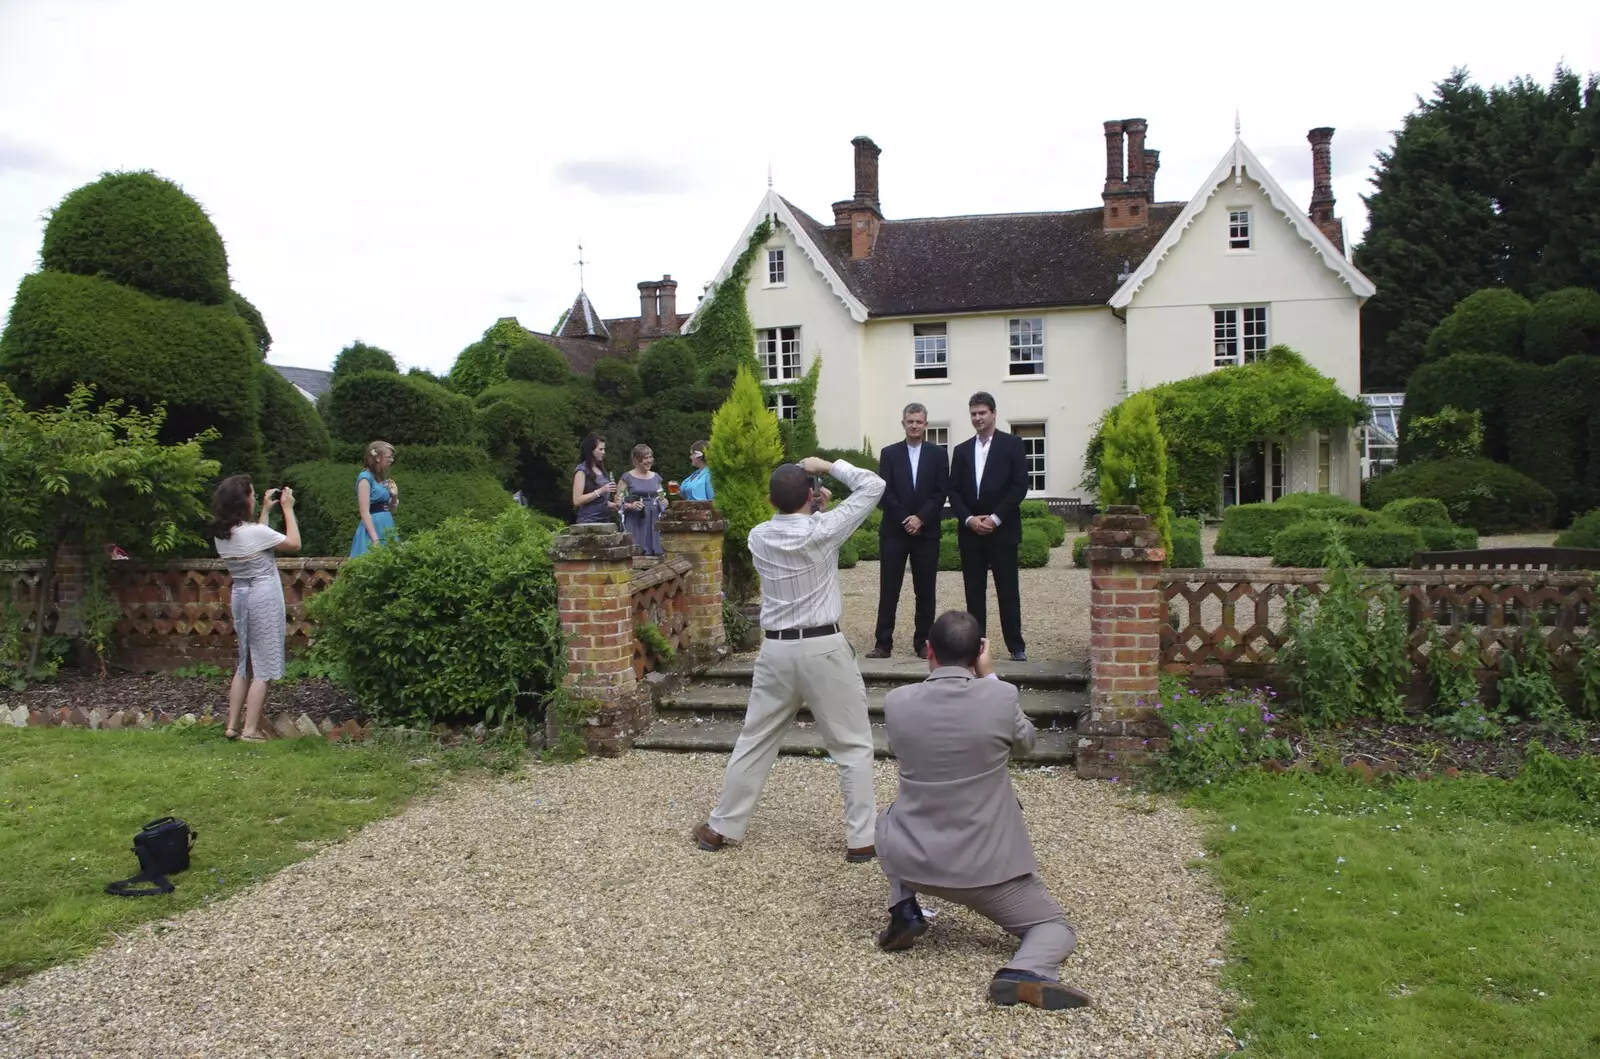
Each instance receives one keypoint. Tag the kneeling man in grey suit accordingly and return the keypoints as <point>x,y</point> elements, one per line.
<point>955,831</point>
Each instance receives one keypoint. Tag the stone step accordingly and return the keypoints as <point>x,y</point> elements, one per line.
<point>688,735</point>
<point>722,700</point>
<point>908,670</point>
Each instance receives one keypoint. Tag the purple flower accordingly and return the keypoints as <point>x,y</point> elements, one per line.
<point>1241,731</point>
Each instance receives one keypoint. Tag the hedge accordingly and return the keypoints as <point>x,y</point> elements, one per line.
<point>325,501</point>
<point>1187,551</point>
<point>1583,533</point>
<point>1490,497</point>
<point>291,430</point>
<point>198,360</point>
<point>1080,552</point>
<point>1035,509</point>
<point>1382,545</point>
<point>848,556</point>
<point>141,231</point>
<point>450,459</point>
<point>1448,538</point>
<point>1247,529</point>
<point>1034,551</point>
<point>358,357</point>
<point>1564,323</point>
<point>1054,529</point>
<point>949,549</point>
<point>1417,511</point>
<point>860,458</point>
<point>399,409</point>
<point>867,544</point>
<point>1491,320</point>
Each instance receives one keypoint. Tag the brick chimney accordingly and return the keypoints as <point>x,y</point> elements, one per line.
<point>668,305</point>
<point>862,214</point>
<point>1127,197</point>
<point>649,320</point>
<point>1322,187</point>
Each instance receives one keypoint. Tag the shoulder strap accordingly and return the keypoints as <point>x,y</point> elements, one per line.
<point>130,888</point>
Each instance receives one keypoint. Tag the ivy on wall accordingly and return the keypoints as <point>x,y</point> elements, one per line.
<point>800,433</point>
<point>724,339</point>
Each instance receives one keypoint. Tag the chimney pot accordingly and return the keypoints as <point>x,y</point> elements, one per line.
<point>1152,162</point>
<point>866,171</point>
<point>1322,201</point>
<point>649,317</point>
<point>667,305</point>
<point>1127,193</point>
<point>1113,154</point>
<point>1135,128</point>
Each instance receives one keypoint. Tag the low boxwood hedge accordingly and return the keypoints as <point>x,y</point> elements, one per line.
<point>1417,511</point>
<point>1034,551</point>
<point>1080,552</point>
<point>1448,538</point>
<point>1248,529</point>
<point>1053,528</point>
<point>866,544</point>
<point>1187,552</point>
<point>1490,497</point>
<point>1304,544</point>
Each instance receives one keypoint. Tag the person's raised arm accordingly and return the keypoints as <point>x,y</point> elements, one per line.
<point>865,490</point>
<point>291,528</point>
<point>363,505</point>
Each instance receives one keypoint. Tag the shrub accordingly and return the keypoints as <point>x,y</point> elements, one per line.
<point>1472,382</point>
<point>1449,434</point>
<point>1133,461</point>
<point>667,364</point>
<point>949,550</point>
<point>1248,529</point>
<point>141,231</point>
<point>461,622</point>
<point>1034,551</point>
<point>358,358</point>
<point>450,459</point>
<point>1187,551</point>
<point>1035,509</point>
<point>866,543</point>
<point>743,450</point>
<point>1053,528</point>
<point>1448,538</point>
<point>1488,496</point>
<point>325,500</point>
<point>1080,552</point>
<point>1563,323</point>
<point>1583,533</point>
<point>197,360</point>
<point>1321,503</point>
<point>400,409</point>
<point>291,430</point>
<point>862,458</point>
<point>1214,737</point>
<point>1417,511</point>
<point>252,318</point>
<point>1380,545</point>
<point>1491,321</point>
<point>848,556</point>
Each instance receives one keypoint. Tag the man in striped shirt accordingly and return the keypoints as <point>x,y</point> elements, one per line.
<point>804,657</point>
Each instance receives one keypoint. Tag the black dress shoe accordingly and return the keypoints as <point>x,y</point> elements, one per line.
<point>860,854</point>
<point>1019,656</point>
<point>906,925</point>
<point>1011,986</point>
<point>878,652</point>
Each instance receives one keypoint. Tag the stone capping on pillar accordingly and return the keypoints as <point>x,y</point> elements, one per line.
<point>1122,728</point>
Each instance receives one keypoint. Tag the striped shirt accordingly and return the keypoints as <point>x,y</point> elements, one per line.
<point>797,556</point>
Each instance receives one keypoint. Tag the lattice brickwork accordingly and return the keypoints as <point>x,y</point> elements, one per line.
<point>660,598</point>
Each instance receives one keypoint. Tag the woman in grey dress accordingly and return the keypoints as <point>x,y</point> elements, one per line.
<point>250,549</point>
<point>644,501</point>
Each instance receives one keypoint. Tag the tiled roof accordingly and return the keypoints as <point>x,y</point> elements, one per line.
<point>625,332</point>
<point>581,321</point>
<point>314,381</point>
<point>997,261</point>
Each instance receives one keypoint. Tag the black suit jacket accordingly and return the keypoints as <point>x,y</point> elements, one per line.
<point>901,501</point>
<point>1004,486</point>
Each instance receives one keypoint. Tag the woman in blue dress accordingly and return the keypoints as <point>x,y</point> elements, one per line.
<point>592,488</point>
<point>376,498</point>
<point>645,500</point>
<point>698,485</point>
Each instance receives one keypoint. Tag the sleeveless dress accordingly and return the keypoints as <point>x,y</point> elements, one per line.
<point>259,622</point>
<point>598,509</point>
<point>641,525</point>
<point>382,521</point>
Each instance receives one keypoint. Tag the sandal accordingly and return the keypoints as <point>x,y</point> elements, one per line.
<point>230,734</point>
<point>257,738</point>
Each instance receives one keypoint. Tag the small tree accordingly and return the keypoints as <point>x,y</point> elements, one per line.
<point>744,448</point>
<point>1450,434</point>
<point>1133,467</point>
<point>85,476</point>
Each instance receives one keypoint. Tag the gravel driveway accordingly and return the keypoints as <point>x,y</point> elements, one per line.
<point>567,914</point>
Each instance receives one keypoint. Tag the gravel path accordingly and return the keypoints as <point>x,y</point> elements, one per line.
<point>567,914</point>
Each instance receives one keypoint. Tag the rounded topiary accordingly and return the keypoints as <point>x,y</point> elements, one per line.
<point>535,361</point>
<point>1417,511</point>
<point>1187,551</point>
<point>400,409</point>
<point>1080,552</point>
<point>1052,527</point>
<point>1034,509</point>
<point>141,231</point>
<point>358,357</point>
<point>291,430</point>
<point>867,544</point>
<point>1034,551</point>
<point>1247,529</point>
<point>1491,320</point>
<point>1305,544</point>
<point>848,557</point>
<point>949,549</point>
<point>1490,497</point>
<point>1563,323</point>
<point>1583,533</point>
<point>1448,538</point>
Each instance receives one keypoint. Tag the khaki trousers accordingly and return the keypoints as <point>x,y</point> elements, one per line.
<point>1020,906</point>
<point>821,673</point>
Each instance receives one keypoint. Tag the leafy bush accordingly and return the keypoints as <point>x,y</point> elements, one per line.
<point>1054,529</point>
<point>866,543</point>
<point>1248,529</point>
<point>949,550</point>
<point>1528,690</point>
<point>1563,323</point>
<point>143,232</point>
<point>291,430</point>
<point>1133,461</point>
<point>252,318</point>
<point>325,500</point>
<point>1490,497</point>
<point>743,450</point>
<point>1447,435</point>
<point>1453,675</point>
<point>1322,503</point>
<point>1080,552</point>
<point>1035,509</point>
<point>1187,551</point>
<point>848,556</point>
<point>1214,737</point>
<point>862,458</point>
<point>450,459</point>
<point>459,623</point>
<point>359,358</point>
<point>1583,533</point>
<point>1380,545</point>
<point>1491,321</point>
<point>1417,511</point>
<point>1468,381</point>
<point>1448,538</point>
<point>400,409</point>
<point>1034,551</point>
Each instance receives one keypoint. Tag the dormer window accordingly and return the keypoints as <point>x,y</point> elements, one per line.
<point>775,270</point>
<point>1238,229</point>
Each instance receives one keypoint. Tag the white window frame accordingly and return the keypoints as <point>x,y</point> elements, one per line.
<point>782,404</point>
<point>930,351</point>
<point>777,267</point>
<point>1025,341</point>
<point>1239,233</point>
<point>938,434</point>
<point>778,353</point>
<point>1240,334</point>
<point>1035,454</point>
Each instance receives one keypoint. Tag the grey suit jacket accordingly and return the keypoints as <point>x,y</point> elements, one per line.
<point>955,821</point>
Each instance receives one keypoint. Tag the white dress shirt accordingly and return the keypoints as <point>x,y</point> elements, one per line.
<point>914,453</point>
<point>797,556</point>
<point>980,457</point>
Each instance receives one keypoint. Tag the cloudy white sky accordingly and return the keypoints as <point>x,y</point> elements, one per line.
<point>407,173</point>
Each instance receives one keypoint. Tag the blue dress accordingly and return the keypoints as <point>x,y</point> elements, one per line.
<point>697,486</point>
<point>382,520</point>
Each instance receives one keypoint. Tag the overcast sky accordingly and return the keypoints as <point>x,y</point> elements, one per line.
<point>408,173</point>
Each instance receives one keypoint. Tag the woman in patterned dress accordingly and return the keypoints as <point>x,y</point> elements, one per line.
<point>249,548</point>
<point>376,498</point>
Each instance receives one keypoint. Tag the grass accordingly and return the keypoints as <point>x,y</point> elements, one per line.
<point>72,799</point>
<point>1452,918</point>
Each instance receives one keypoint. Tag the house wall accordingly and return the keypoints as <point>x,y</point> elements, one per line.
<point>1310,308</point>
<point>1083,377</point>
<point>826,330</point>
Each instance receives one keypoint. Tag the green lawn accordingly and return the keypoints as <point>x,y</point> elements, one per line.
<point>1455,918</point>
<point>72,799</point>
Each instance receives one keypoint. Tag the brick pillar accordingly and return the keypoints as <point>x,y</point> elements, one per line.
<point>72,583</point>
<point>1125,559</point>
<point>692,530</point>
<point>594,571</point>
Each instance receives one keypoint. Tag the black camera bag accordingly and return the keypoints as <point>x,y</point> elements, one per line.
<point>163,849</point>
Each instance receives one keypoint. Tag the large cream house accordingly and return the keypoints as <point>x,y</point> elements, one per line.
<point>1061,314</point>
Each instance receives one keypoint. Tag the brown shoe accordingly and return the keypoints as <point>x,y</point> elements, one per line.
<point>708,839</point>
<point>859,854</point>
<point>878,652</point>
<point>1010,986</point>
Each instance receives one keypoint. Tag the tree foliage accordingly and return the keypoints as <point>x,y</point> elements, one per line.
<point>252,318</point>
<point>1133,462</point>
<point>358,357</point>
<point>507,350</point>
<point>1564,323</point>
<point>1491,321</point>
<point>291,430</point>
<point>744,449</point>
<point>1448,434</point>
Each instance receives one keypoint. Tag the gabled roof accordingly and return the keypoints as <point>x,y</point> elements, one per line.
<point>581,321</point>
<point>1240,163</point>
<point>312,382</point>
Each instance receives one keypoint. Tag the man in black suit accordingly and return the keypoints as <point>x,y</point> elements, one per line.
<point>988,482</point>
<point>916,477</point>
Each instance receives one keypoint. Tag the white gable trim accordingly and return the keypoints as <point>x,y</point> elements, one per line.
<point>772,205</point>
<point>1238,163</point>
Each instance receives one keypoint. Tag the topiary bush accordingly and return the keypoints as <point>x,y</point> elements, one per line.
<point>848,556</point>
<point>1417,511</point>
<point>1054,529</point>
<point>1133,461</point>
<point>1448,538</point>
<point>536,361</point>
<point>1034,551</point>
<point>400,409</point>
<point>358,358</point>
<point>1382,545</point>
<point>1080,552</point>
<point>1187,551</point>
<point>291,430</point>
<point>1490,497</point>
<point>460,623</point>
<point>1563,323</point>
<point>1583,533</point>
<point>742,452</point>
<point>1318,502</point>
<point>1248,529</point>
<point>141,231</point>
<point>325,500</point>
<point>1035,509</point>
<point>867,544</point>
<point>1468,381</point>
<point>1491,321</point>
<point>949,550</point>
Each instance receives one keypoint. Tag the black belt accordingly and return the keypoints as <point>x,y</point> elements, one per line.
<point>801,634</point>
<point>376,508</point>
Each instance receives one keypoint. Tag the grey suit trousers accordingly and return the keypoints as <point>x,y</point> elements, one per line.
<point>1020,906</point>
